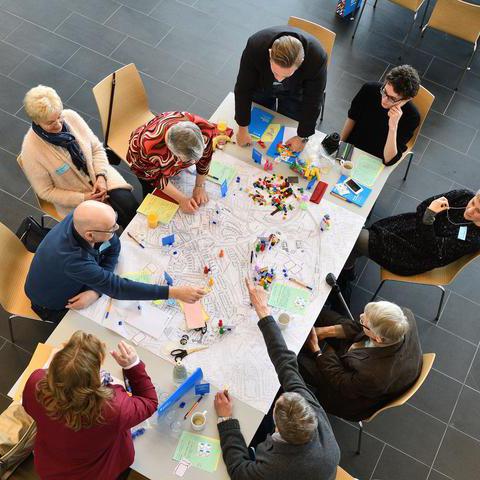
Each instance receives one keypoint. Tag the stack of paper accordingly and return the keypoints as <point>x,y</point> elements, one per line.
<point>195,314</point>
<point>164,209</point>
<point>366,170</point>
<point>289,299</point>
<point>219,172</point>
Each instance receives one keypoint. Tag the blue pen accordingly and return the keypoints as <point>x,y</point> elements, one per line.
<point>107,313</point>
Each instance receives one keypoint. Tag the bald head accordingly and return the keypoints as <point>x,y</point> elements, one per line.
<point>93,215</point>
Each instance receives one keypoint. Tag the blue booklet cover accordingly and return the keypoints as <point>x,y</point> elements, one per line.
<point>259,121</point>
<point>272,149</point>
<point>350,196</point>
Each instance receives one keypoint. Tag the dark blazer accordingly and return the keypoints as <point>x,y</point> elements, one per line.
<point>255,75</point>
<point>353,384</point>
<point>315,460</point>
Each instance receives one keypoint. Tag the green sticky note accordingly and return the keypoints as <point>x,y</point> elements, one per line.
<point>366,170</point>
<point>288,298</point>
<point>203,452</point>
<point>222,171</point>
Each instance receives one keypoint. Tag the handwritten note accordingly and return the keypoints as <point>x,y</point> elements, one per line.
<point>366,170</point>
<point>290,299</point>
<point>203,452</point>
<point>222,171</point>
<point>164,209</point>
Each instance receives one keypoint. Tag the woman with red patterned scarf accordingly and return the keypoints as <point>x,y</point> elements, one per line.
<point>166,145</point>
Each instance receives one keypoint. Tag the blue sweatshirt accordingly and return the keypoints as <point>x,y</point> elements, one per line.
<point>65,264</point>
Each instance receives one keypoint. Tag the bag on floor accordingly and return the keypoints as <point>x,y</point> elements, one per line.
<point>31,233</point>
<point>17,436</point>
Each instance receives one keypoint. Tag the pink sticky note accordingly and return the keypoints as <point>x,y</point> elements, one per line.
<point>194,315</point>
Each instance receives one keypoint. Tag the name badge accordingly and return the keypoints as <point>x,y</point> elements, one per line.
<point>462,233</point>
<point>104,246</point>
<point>64,168</point>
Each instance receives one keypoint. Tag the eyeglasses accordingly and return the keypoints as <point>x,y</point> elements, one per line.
<point>364,326</point>
<point>389,97</point>
<point>112,231</point>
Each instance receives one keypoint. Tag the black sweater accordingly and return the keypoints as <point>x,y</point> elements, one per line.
<point>406,245</point>
<point>256,75</point>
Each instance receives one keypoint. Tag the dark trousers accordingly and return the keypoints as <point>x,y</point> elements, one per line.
<point>124,475</point>
<point>147,187</point>
<point>48,315</point>
<point>124,203</point>
<point>285,103</point>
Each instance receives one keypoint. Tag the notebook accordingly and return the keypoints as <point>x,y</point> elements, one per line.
<point>259,121</point>
<point>349,196</point>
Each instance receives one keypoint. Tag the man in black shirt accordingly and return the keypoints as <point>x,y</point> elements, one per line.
<point>381,119</point>
<point>285,66</point>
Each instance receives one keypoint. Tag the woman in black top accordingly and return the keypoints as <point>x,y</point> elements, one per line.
<point>443,229</point>
<point>381,119</point>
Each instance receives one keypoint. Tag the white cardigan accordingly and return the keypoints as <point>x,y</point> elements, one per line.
<point>52,174</point>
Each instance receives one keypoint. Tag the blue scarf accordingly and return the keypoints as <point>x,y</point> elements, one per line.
<point>66,140</point>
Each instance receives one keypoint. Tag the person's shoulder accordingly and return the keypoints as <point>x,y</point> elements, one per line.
<point>33,379</point>
<point>411,112</point>
<point>73,117</point>
<point>371,87</point>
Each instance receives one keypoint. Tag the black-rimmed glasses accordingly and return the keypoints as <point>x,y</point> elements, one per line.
<point>389,97</point>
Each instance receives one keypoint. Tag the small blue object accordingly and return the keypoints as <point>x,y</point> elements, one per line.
<point>175,252</point>
<point>120,322</point>
<point>202,388</point>
<point>168,279</point>
<point>311,183</point>
<point>238,180</point>
<point>182,405</point>
<point>462,233</point>
<point>224,188</point>
<point>137,433</point>
<point>171,302</point>
<point>257,156</point>
<point>168,240</point>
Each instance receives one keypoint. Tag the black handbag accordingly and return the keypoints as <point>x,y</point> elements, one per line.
<point>113,158</point>
<point>31,233</point>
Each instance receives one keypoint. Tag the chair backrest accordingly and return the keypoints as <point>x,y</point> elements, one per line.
<point>423,101</point>
<point>343,475</point>
<point>457,18</point>
<point>325,36</point>
<point>47,207</point>
<point>428,359</point>
<point>412,5</point>
<point>130,106</point>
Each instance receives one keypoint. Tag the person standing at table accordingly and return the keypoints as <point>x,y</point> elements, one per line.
<point>382,118</point>
<point>73,266</point>
<point>166,145</point>
<point>83,423</point>
<point>303,445</point>
<point>284,69</point>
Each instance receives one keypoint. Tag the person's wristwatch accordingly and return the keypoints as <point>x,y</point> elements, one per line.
<point>305,139</point>
<point>224,419</point>
<point>318,353</point>
<point>101,175</point>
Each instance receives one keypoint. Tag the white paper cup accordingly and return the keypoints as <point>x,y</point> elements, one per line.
<point>283,321</point>
<point>198,421</point>
<point>346,167</point>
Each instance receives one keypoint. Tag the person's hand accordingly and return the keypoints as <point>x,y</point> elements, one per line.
<point>312,341</point>
<point>200,195</point>
<point>295,144</point>
<point>258,298</point>
<point>82,300</point>
<point>100,185</point>
<point>243,137</point>
<point>99,196</point>
<point>439,205</point>
<point>125,355</point>
<point>188,205</point>
<point>394,115</point>
<point>322,333</point>
<point>187,293</point>
<point>223,404</point>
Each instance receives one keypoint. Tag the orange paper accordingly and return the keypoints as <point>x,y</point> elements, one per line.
<point>195,315</point>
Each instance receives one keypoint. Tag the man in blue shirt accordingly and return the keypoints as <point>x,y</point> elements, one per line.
<point>74,265</point>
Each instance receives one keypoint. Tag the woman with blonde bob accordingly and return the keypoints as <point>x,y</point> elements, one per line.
<point>366,364</point>
<point>84,421</point>
<point>65,162</point>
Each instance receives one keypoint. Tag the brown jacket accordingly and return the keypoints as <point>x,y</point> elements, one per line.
<point>353,384</point>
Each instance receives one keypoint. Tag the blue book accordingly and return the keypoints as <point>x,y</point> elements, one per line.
<point>350,197</point>
<point>272,150</point>
<point>259,121</point>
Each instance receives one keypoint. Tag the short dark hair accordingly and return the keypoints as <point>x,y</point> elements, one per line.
<point>404,80</point>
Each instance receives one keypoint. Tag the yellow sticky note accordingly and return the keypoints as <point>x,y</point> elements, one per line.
<point>163,208</point>
<point>271,132</point>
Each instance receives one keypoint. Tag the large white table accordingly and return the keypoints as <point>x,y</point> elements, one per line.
<point>154,450</point>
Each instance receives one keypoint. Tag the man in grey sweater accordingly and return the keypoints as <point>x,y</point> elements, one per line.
<point>303,445</point>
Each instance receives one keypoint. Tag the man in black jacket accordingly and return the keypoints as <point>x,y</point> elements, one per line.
<point>303,445</point>
<point>284,69</point>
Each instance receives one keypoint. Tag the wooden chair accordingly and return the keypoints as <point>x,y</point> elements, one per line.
<point>438,277</point>
<point>325,36</point>
<point>343,475</point>
<point>47,208</point>
<point>459,19</point>
<point>130,107</point>
<point>16,260</point>
<point>428,359</point>
<point>423,101</point>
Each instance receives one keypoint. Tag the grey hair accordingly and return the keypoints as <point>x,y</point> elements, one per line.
<point>295,418</point>
<point>185,139</point>
<point>386,320</point>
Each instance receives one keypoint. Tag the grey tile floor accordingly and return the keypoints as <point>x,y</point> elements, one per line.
<point>188,52</point>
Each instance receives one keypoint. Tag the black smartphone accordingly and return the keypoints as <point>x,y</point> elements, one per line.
<point>353,186</point>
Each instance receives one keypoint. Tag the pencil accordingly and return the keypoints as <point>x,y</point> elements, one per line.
<point>251,256</point>
<point>109,307</point>
<point>135,240</point>
<point>300,283</point>
<point>213,176</point>
<point>195,405</point>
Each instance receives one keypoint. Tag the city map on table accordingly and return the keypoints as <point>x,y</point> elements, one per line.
<point>237,358</point>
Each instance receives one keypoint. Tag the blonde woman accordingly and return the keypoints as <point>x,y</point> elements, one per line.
<point>366,364</point>
<point>65,162</point>
<point>83,424</point>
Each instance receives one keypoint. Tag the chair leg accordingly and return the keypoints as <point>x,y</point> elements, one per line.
<point>424,13</point>
<point>10,327</point>
<point>404,43</point>
<point>466,68</point>
<point>360,432</point>
<point>323,106</point>
<point>440,305</point>
<point>408,166</point>
<point>377,290</point>
<point>375,4</point>
<point>359,18</point>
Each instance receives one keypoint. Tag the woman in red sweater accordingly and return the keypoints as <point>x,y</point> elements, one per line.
<point>83,424</point>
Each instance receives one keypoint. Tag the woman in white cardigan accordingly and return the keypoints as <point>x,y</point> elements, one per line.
<point>66,163</point>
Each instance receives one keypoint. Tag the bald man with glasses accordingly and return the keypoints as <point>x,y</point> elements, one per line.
<point>74,266</point>
<point>382,118</point>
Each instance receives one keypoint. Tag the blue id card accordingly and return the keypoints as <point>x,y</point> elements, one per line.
<point>104,246</point>
<point>462,233</point>
<point>64,168</point>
